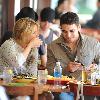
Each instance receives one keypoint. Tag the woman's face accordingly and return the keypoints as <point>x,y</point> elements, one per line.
<point>45,25</point>
<point>34,34</point>
<point>25,30</point>
<point>64,6</point>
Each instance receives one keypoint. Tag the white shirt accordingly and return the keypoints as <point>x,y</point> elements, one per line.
<point>11,55</point>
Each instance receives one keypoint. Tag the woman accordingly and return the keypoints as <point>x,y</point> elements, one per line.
<point>29,12</point>
<point>62,7</point>
<point>20,51</point>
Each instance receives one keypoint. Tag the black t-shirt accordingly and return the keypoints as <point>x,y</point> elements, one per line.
<point>41,49</point>
<point>49,39</point>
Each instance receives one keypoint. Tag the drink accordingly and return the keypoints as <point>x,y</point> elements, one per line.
<point>95,74</point>
<point>42,75</point>
<point>57,74</point>
<point>7,75</point>
<point>84,76</point>
<point>93,78</point>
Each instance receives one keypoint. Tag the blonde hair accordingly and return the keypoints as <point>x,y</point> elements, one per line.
<point>24,25</point>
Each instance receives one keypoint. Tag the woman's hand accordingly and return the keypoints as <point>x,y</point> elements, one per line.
<point>34,43</point>
<point>73,66</point>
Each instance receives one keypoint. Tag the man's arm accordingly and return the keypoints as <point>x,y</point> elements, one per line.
<point>50,61</point>
<point>43,51</point>
<point>43,57</point>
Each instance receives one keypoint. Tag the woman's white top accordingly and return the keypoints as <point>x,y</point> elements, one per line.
<point>11,55</point>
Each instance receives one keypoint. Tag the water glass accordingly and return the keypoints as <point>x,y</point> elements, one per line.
<point>7,75</point>
<point>42,77</point>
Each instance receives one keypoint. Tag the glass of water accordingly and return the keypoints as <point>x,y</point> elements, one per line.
<point>42,76</point>
<point>7,75</point>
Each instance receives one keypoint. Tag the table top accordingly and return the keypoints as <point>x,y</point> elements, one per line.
<point>33,89</point>
<point>90,90</point>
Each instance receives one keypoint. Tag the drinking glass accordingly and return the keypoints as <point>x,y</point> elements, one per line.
<point>7,75</point>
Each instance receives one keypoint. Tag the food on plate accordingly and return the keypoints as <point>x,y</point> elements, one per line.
<point>24,76</point>
<point>64,78</point>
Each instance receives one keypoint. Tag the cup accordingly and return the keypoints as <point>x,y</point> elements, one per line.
<point>42,77</point>
<point>7,75</point>
<point>84,76</point>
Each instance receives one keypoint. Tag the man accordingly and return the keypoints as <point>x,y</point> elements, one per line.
<point>47,16</point>
<point>72,48</point>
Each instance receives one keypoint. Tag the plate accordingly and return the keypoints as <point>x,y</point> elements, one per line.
<point>24,80</point>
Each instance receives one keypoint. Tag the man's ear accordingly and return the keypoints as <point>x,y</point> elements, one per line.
<point>79,27</point>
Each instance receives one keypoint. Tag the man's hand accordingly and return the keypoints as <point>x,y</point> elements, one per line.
<point>73,66</point>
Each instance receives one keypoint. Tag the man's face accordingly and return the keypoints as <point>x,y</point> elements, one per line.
<point>70,32</point>
<point>45,25</point>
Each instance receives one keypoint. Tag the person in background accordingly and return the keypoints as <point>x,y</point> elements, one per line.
<point>95,21</point>
<point>47,16</point>
<point>64,6</point>
<point>60,9</point>
<point>30,13</point>
<point>73,49</point>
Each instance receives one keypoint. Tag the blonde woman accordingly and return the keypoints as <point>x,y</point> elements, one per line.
<point>20,51</point>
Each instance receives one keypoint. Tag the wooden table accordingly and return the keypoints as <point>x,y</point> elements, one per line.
<point>31,89</point>
<point>91,90</point>
<point>88,90</point>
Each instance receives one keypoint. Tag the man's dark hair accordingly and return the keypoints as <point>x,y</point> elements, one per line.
<point>47,14</point>
<point>69,18</point>
<point>27,12</point>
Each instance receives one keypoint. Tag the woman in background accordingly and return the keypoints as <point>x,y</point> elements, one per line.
<point>64,6</point>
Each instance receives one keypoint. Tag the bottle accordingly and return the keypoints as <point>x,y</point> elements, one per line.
<point>93,78</point>
<point>42,75</point>
<point>99,67</point>
<point>57,74</point>
<point>94,73</point>
<point>98,81</point>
